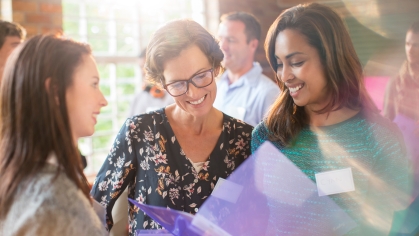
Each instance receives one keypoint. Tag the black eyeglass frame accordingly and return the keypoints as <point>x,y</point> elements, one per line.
<point>189,81</point>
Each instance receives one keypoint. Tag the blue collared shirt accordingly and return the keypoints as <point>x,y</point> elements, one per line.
<point>249,98</point>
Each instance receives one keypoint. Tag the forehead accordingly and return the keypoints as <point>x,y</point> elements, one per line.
<point>189,61</point>
<point>86,67</point>
<point>12,39</point>
<point>289,41</point>
<point>231,28</point>
<point>412,37</point>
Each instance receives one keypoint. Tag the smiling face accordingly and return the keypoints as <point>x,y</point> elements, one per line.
<point>300,68</point>
<point>412,48</point>
<point>191,61</point>
<point>84,99</point>
<point>10,43</point>
<point>238,52</point>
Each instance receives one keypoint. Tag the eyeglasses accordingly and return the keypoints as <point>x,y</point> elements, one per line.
<point>200,80</point>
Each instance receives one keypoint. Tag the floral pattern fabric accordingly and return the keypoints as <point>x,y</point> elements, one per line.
<point>147,159</point>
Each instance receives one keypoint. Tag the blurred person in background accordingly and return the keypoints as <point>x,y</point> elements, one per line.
<point>151,97</point>
<point>402,94</point>
<point>325,121</point>
<point>243,91</point>
<point>173,157</point>
<point>401,102</point>
<point>11,35</point>
<point>50,98</point>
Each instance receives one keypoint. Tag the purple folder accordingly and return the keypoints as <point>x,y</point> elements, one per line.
<point>253,200</point>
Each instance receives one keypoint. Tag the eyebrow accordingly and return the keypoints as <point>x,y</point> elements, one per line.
<point>199,71</point>
<point>292,54</point>
<point>289,55</point>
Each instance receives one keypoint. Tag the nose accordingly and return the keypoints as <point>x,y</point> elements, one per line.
<point>192,90</point>
<point>409,49</point>
<point>103,101</point>
<point>223,45</point>
<point>285,73</point>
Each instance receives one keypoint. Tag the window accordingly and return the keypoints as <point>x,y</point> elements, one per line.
<point>117,31</point>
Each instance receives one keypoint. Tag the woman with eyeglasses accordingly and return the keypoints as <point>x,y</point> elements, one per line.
<point>173,157</point>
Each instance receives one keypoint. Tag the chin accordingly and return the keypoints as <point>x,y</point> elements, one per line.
<point>200,113</point>
<point>299,103</point>
<point>88,133</point>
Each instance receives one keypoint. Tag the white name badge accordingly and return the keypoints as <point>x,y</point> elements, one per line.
<point>336,181</point>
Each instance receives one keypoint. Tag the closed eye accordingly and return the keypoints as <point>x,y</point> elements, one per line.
<point>177,85</point>
<point>200,76</point>
<point>298,64</point>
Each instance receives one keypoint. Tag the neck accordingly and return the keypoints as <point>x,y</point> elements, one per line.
<point>414,70</point>
<point>192,124</point>
<point>76,140</point>
<point>3,61</point>
<point>330,118</point>
<point>2,65</point>
<point>235,74</point>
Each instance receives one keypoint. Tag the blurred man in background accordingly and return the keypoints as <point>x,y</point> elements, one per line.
<point>243,92</point>
<point>11,35</point>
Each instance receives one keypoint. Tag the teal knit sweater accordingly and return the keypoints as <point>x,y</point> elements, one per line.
<point>373,147</point>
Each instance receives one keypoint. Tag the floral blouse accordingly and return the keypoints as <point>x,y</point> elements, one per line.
<point>147,158</point>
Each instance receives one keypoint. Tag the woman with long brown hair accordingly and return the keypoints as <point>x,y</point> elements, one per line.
<point>49,98</point>
<point>325,121</point>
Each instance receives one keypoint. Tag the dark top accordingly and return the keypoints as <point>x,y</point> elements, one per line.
<point>147,158</point>
<point>373,148</point>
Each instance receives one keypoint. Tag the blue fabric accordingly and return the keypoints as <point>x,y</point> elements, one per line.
<point>254,92</point>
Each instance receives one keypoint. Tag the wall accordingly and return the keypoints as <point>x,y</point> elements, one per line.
<point>37,16</point>
<point>266,12</point>
<point>377,28</point>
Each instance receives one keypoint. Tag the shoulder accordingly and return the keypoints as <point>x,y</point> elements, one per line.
<point>222,78</point>
<point>50,186</point>
<point>237,124</point>
<point>260,130</point>
<point>392,83</point>
<point>380,122</point>
<point>260,134</point>
<point>382,129</point>
<point>148,116</point>
<point>52,204</point>
<point>153,118</point>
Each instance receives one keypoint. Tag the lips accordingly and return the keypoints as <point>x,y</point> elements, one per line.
<point>197,102</point>
<point>295,88</point>
<point>95,116</point>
